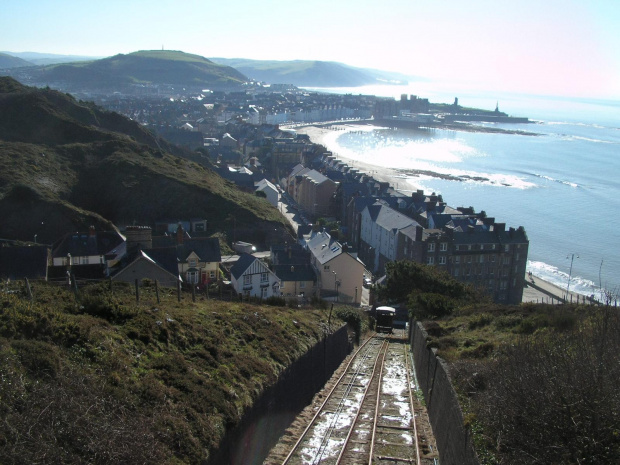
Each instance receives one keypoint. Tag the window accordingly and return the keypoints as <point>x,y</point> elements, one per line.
<point>443,247</point>
<point>457,259</point>
<point>192,262</point>
<point>302,284</point>
<point>247,279</point>
<point>469,259</point>
<point>492,258</point>
<point>211,274</point>
<point>506,260</point>
<point>282,285</point>
<point>442,260</point>
<point>430,260</point>
<point>431,246</point>
<point>263,292</point>
<point>264,277</point>
<point>481,258</point>
<point>506,248</point>
<point>456,272</point>
<point>192,277</point>
<point>326,268</point>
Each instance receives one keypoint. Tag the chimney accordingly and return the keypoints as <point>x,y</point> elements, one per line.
<point>418,233</point>
<point>139,237</point>
<point>91,231</point>
<point>180,234</point>
<point>499,227</point>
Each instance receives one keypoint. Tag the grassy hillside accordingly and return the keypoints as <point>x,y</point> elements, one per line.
<point>65,164</point>
<point>9,61</point>
<point>537,383</point>
<point>145,67</point>
<point>97,378</point>
<point>303,72</point>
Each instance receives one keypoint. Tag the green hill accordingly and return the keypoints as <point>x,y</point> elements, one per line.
<point>305,73</point>
<point>9,61</point>
<point>66,164</point>
<point>156,67</point>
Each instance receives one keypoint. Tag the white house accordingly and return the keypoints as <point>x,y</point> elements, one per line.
<point>340,274</point>
<point>252,278</point>
<point>271,191</point>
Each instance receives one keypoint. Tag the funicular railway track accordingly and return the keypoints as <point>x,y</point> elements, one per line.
<point>368,416</point>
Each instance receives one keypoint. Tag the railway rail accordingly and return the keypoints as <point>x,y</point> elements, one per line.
<point>370,414</point>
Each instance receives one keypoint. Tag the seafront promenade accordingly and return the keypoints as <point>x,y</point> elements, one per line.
<point>538,290</point>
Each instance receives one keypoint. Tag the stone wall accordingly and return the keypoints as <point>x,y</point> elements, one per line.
<point>264,423</point>
<point>453,439</point>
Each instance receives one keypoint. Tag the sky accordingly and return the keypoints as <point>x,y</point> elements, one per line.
<point>550,47</point>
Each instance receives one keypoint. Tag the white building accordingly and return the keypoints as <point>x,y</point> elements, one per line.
<point>252,278</point>
<point>271,191</point>
<point>340,273</point>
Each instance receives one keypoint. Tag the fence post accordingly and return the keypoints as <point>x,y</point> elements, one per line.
<point>193,292</point>
<point>179,291</point>
<point>28,288</point>
<point>137,292</point>
<point>157,290</point>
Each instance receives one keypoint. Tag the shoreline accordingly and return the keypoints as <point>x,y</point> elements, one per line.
<point>536,289</point>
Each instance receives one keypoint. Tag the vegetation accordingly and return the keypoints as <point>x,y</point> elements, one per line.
<point>97,378</point>
<point>536,382</point>
<point>429,292</point>
<point>65,165</point>
<point>162,67</point>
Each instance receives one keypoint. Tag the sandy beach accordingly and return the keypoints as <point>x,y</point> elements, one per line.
<point>536,290</point>
<point>320,134</point>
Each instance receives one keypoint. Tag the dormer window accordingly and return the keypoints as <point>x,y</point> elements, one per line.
<point>192,262</point>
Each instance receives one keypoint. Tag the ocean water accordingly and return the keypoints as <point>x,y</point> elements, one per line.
<point>562,185</point>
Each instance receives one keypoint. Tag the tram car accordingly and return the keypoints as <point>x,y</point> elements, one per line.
<point>385,319</point>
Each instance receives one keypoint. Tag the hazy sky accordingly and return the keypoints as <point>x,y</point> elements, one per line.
<point>557,47</point>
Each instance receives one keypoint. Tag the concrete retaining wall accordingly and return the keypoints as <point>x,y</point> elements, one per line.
<point>453,440</point>
<point>263,424</point>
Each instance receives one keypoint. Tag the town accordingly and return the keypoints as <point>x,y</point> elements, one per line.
<point>348,225</point>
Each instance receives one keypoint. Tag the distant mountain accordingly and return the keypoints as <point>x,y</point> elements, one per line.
<point>66,165</point>
<point>42,59</point>
<point>310,73</point>
<point>8,61</point>
<point>143,68</point>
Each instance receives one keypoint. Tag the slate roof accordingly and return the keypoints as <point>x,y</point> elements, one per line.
<point>388,218</point>
<point>295,272</point>
<point>324,247</point>
<point>207,249</point>
<point>82,244</point>
<point>166,257</point>
<point>244,262</point>
<point>23,262</point>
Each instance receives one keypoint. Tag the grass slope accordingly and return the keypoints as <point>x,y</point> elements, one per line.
<point>301,72</point>
<point>88,165</point>
<point>9,61</point>
<point>145,67</point>
<point>98,378</point>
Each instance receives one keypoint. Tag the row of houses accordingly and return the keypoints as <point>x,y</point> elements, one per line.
<point>322,269</point>
<point>382,224</point>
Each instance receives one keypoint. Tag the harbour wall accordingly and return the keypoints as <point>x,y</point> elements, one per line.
<point>453,439</point>
<point>259,430</point>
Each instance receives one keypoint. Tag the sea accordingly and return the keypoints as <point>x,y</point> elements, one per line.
<point>562,185</point>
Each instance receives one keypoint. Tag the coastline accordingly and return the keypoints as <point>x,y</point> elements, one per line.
<point>536,289</point>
